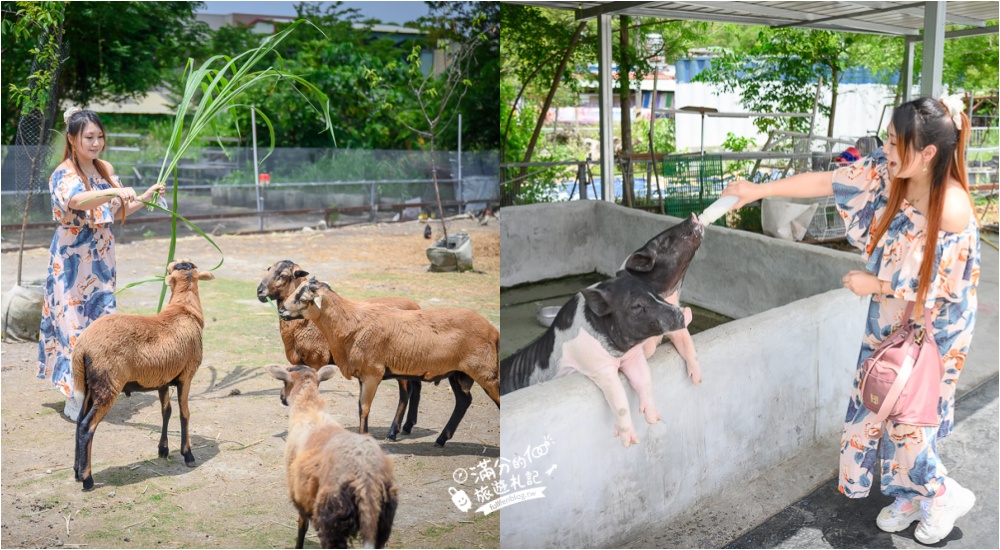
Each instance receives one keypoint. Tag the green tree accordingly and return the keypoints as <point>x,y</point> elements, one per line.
<point>481,107</point>
<point>436,97</point>
<point>779,73</point>
<point>104,58</point>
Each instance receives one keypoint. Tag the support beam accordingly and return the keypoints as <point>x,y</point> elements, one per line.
<point>906,73</point>
<point>964,33</point>
<point>604,93</point>
<point>609,8</point>
<point>933,58</point>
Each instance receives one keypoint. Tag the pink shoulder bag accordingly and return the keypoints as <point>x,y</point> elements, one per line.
<point>901,381</point>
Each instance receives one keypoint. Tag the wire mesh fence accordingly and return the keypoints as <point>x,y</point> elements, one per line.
<point>298,187</point>
<point>691,183</point>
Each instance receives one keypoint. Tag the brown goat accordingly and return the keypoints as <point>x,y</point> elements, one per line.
<point>129,353</point>
<point>305,344</point>
<point>425,344</point>
<point>339,480</point>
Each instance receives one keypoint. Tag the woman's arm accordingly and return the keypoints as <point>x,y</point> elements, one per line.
<point>863,283</point>
<point>800,186</point>
<point>88,200</point>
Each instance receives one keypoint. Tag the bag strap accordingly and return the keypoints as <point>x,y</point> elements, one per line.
<point>897,386</point>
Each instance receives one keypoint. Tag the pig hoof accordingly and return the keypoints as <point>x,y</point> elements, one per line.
<point>652,417</point>
<point>694,373</point>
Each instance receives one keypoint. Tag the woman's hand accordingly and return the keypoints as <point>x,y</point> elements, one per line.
<point>153,190</point>
<point>126,194</point>
<point>745,191</point>
<point>862,283</point>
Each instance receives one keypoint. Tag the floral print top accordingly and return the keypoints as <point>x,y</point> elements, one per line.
<point>861,192</point>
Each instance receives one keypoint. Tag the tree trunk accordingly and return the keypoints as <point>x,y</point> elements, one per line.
<point>834,84</point>
<point>437,190</point>
<point>625,93</point>
<point>530,150</point>
<point>44,118</point>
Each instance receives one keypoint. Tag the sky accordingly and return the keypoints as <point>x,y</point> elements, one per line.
<point>387,12</point>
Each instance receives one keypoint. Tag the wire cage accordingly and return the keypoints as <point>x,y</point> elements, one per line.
<point>690,183</point>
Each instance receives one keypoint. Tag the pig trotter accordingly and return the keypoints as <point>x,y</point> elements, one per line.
<point>627,435</point>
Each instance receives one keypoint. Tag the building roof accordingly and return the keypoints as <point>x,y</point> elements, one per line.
<point>890,18</point>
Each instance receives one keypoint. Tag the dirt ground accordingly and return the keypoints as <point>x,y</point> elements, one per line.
<point>236,496</point>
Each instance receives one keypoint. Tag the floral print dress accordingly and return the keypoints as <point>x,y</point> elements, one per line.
<point>910,465</point>
<point>80,284</point>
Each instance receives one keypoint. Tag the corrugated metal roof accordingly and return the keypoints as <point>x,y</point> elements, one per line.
<point>891,18</point>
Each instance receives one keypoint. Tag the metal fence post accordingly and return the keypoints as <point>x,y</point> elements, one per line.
<point>256,175</point>
<point>374,208</point>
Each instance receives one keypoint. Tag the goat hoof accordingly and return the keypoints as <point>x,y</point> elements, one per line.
<point>407,429</point>
<point>164,452</point>
<point>390,438</point>
<point>189,459</point>
<point>88,484</point>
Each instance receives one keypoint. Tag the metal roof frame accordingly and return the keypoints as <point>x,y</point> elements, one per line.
<point>916,21</point>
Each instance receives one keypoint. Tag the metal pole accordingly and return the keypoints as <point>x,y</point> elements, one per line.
<point>459,182</point>
<point>604,97</point>
<point>934,21</point>
<point>907,73</point>
<point>256,175</point>
<point>703,132</point>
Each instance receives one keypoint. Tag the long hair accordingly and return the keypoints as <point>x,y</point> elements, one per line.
<point>74,127</point>
<point>919,123</point>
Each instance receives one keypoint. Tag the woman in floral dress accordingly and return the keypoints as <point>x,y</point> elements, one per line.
<point>899,203</point>
<point>86,198</point>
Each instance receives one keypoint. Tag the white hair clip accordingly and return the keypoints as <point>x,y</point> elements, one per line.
<point>69,113</point>
<point>955,105</point>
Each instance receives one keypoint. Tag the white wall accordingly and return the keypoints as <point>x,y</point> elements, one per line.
<point>859,107</point>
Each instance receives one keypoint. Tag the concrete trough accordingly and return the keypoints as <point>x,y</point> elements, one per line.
<point>776,380</point>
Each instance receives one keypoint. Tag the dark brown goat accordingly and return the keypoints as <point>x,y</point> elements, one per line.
<point>129,353</point>
<point>425,344</point>
<point>305,344</point>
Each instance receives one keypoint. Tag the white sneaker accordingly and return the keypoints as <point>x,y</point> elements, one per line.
<point>898,515</point>
<point>72,408</point>
<point>939,517</point>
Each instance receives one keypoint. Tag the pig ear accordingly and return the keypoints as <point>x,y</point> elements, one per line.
<point>641,261</point>
<point>597,300</point>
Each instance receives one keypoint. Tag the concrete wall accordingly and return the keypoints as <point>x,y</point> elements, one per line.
<point>775,381</point>
<point>734,273</point>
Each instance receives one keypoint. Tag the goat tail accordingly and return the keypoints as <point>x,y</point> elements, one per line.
<point>376,501</point>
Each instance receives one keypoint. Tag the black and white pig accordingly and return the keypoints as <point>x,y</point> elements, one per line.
<point>662,263</point>
<point>599,332</point>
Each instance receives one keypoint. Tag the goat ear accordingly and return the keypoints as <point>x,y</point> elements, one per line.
<point>205,276</point>
<point>597,300</point>
<point>326,372</point>
<point>299,273</point>
<point>279,372</point>
<point>318,301</point>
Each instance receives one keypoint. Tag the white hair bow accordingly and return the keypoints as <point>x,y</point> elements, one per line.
<point>69,113</point>
<point>955,105</point>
